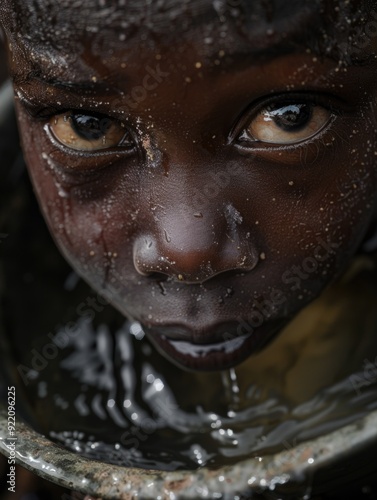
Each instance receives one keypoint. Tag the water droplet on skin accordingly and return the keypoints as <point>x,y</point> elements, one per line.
<point>232,216</point>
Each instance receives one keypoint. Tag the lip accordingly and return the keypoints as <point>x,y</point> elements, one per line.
<point>210,352</point>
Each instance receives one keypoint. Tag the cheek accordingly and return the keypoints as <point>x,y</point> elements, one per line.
<point>314,219</point>
<point>94,231</point>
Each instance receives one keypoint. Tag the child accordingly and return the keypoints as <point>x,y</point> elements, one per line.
<point>210,169</point>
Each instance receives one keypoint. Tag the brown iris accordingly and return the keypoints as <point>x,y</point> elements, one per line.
<point>88,132</point>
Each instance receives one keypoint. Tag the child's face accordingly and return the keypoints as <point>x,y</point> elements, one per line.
<point>211,175</point>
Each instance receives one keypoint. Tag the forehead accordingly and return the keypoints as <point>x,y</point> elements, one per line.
<point>49,25</point>
<point>59,35</point>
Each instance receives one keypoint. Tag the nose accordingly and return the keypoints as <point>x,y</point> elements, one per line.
<point>193,249</point>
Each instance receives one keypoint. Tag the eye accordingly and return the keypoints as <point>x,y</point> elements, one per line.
<point>89,132</point>
<point>287,123</point>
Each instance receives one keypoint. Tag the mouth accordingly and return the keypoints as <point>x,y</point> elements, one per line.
<point>220,349</point>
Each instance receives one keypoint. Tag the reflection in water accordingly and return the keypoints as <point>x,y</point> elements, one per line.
<point>115,399</point>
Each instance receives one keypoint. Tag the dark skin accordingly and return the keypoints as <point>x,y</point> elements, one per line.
<point>127,178</point>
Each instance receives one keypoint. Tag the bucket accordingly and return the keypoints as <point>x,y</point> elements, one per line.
<point>301,471</point>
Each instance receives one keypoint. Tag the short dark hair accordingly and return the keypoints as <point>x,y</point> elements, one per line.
<point>47,23</point>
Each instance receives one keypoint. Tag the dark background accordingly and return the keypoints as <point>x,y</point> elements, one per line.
<point>28,486</point>
<point>3,71</point>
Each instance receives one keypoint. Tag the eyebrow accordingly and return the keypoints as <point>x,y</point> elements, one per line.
<point>37,73</point>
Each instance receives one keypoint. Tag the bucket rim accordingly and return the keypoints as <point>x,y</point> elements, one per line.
<point>65,468</point>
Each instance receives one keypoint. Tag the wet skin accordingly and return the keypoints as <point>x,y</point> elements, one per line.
<point>203,217</point>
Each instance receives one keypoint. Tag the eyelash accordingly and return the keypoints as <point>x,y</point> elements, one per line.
<point>42,115</point>
<point>46,113</point>
<point>283,99</point>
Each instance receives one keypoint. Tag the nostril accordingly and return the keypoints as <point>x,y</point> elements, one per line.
<point>192,262</point>
<point>160,268</point>
<point>155,276</point>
